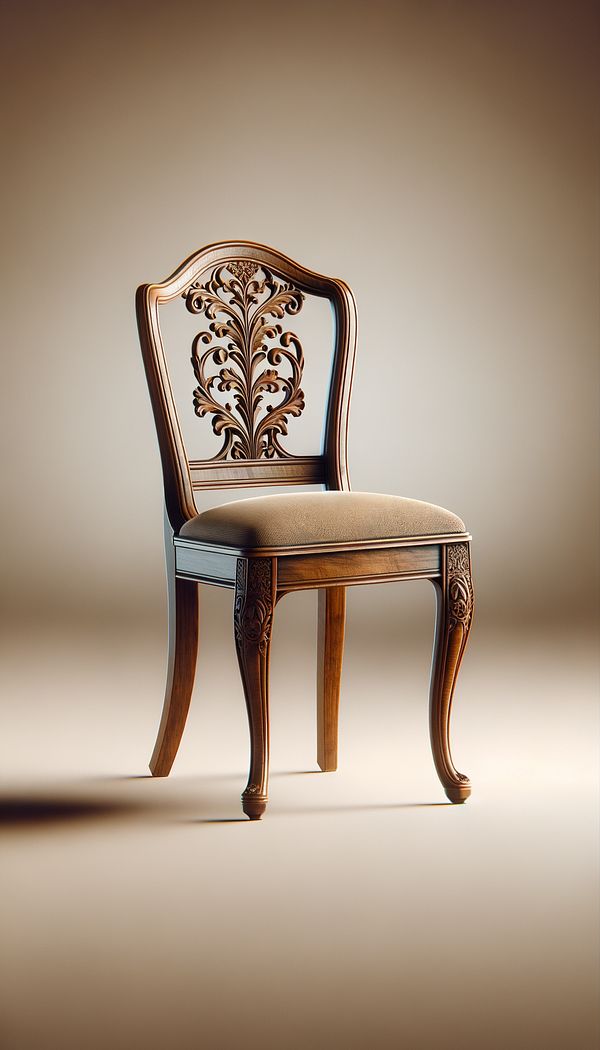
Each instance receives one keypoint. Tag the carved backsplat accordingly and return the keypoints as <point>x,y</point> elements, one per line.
<point>240,299</point>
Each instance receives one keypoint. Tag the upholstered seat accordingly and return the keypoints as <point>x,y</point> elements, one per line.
<point>305,518</point>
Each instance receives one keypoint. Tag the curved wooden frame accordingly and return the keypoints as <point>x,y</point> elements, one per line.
<point>260,577</point>
<point>177,468</point>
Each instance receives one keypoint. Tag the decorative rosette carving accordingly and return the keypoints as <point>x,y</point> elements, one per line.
<point>460,588</point>
<point>244,303</point>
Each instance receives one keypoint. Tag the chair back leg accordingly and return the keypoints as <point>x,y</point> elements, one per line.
<point>330,652</point>
<point>181,668</point>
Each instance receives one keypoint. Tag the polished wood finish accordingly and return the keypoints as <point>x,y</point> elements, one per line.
<point>320,548</point>
<point>454,615</point>
<point>249,289</point>
<point>240,301</point>
<point>177,475</point>
<point>255,593</point>
<point>181,667</point>
<point>304,571</point>
<point>208,566</point>
<point>330,651</point>
<point>297,470</point>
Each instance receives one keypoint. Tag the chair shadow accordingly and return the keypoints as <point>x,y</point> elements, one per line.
<point>218,820</point>
<point>131,776</point>
<point>242,775</point>
<point>317,810</point>
<point>294,773</point>
<point>35,811</point>
<point>367,807</point>
<point>31,811</point>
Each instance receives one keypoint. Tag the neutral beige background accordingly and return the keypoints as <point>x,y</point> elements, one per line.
<point>439,156</point>
<point>442,157</point>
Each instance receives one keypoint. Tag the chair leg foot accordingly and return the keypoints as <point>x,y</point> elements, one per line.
<point>454,616</point>
<point>255,592</point>
<point>254,808</point>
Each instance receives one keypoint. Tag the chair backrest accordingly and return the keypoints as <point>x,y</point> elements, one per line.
<point>246,292</point>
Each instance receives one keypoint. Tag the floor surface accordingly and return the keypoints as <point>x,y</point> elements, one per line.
<point>363,911</point>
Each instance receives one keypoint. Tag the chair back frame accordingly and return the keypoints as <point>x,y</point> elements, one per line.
<point>182,475</point>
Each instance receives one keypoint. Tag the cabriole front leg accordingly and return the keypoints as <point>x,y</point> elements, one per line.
<point>253,619</point>
<point>454,614</point>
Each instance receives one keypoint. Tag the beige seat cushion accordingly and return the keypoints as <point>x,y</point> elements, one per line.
<point>302,519</point>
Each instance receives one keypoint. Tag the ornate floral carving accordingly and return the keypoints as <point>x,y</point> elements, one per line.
<point>460,589</point>
<point>243,269</point>
<point>458,557</point>
<point>241,305</point>
<point>253,609</point>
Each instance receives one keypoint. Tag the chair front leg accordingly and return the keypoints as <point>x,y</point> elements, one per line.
<point>255,589</point>
<point>330,652</point>
<point>181,669</point>
<point>454,616</point>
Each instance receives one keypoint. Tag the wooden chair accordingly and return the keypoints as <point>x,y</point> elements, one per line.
<point>265,547</point>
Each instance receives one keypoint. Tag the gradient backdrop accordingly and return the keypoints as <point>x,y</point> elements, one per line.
<point>442,158</point>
